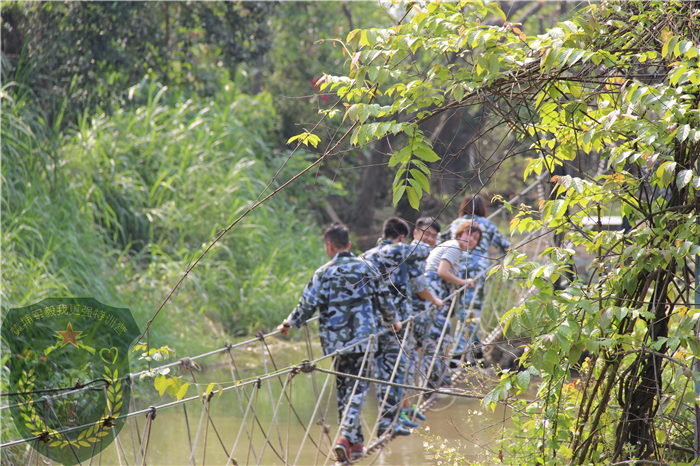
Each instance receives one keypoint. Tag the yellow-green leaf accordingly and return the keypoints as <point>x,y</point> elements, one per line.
<point>412,197</point>
<point>398,192</point>
<point>421,179</point>
<point>182,392</point>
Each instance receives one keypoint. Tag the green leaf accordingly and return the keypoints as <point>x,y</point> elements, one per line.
<point>665,172</point>
<point>523,380</point>
<point>398,192</point>
<point>353,39</point>
<point>182,392</point>
<point>576,56</point>
<point>416,187</point>
<point>458,92</point>
<point>669,45</point>
<point>683,178</point>
<point>605,318</point>
<point>306,139</point>
<point>161,384</point>
<point>412,198</point>
<point>363,112</point>
<point>421,179</point>
<point>683,132</point>
<point>575,353</point>
<point>395,159</point>
<point>426,153</point>
<point>351,113</point>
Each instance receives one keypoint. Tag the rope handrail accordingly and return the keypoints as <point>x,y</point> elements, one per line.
<point>305,367</point>
<point>252,380</point>
<point>257,338</point>
<point>73,389</point>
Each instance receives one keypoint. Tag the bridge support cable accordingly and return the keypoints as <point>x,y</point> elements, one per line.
<point>199,429</point>
<point>143,449</point>
<point>132,421</point>
<point>272,400</point>
<point>310,354</point>
<point>216,431</point>
<point>244,424</point>
<point>235,376</point>
<point>325,433</point>
<point>255,416</point>
<point>455,298</point>
<point>319,398</point>
<point>245,391</point>
<point>274,366</point>
<point>120,448</point>
<point>274,422</point>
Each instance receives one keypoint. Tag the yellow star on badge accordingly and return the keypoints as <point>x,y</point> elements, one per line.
<point>69,336</point>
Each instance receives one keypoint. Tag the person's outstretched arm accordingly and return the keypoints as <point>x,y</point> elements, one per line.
<point>313,295</point>
<point>444,271</point>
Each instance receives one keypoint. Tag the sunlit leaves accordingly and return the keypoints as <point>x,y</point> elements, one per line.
<point>665,172</point>
<point>306,139</point>
<point>408,180</point>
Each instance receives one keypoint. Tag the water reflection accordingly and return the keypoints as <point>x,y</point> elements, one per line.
<point>169,443</point>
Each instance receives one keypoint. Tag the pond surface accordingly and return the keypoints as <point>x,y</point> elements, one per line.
<point>449,418</point>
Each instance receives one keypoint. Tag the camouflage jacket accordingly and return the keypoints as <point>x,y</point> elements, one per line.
<point>394,264</point>
<point>419,252</point>
<point>491,236</point>
<point>349,295</point>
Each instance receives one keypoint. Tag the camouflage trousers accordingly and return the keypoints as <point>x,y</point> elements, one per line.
<point>469,321</point>
<point>420,329</point>
<point>386,358</point>
<point>437,322</point>
<point>350,363</point>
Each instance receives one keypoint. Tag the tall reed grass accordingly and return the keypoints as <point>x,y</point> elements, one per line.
<point>118,206</point>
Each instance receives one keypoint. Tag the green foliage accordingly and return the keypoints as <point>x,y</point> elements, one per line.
<point>598,86</point>
<point>303,49</point>
<point>126,203</point>
<point>84,46</point>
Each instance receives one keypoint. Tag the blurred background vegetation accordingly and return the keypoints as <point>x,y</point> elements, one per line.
<point>133,132</point>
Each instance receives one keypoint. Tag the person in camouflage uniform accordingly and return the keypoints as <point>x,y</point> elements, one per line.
<point>424,239</point>
<point>442,275</point>
<point>476,263</point>
<point>348,294</point>
<point>392,257</point>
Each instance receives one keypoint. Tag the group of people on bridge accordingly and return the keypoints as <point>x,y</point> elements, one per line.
<point>357,295</point>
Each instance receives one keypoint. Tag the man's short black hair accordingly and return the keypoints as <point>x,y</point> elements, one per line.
<point>395,227</point>
<point>338,235</point>
<point>424,223</point>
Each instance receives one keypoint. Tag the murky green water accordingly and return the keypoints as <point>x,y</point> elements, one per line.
<point>169,442</point>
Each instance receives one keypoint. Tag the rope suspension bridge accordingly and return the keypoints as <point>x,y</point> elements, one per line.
<point>266,439</point>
